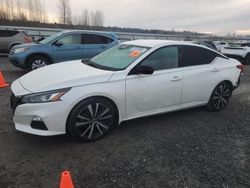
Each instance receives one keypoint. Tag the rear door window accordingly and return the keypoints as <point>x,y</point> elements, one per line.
<point>193,55</point>
<point>96,39</point>
<point>70,39</point>
<point>7,33</point>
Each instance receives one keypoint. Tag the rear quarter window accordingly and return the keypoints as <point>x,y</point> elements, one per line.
<point>193,55</point>
<point>96,39</point>
<point>8,33</point>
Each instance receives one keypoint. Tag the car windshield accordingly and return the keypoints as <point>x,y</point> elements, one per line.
<point>50,38</point>
<point>118,57</point>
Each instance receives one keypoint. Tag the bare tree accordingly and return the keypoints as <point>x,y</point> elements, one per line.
<point>85,18</point>
<point>82,19</point>
<point>31,11</point>
<point>97,18</point>
<point>64,11</point>
<point>76,20</point>
<point>2,11</point>
<point>6,7</point>
<point>44,17</point>
<point>20,12</point>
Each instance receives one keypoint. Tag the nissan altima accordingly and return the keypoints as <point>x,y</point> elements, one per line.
<point>131,80</point>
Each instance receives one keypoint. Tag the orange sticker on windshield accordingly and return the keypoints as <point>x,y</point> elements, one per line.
<point>135,53</point>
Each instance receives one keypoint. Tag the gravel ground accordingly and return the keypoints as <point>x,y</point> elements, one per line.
<point>190,148</point>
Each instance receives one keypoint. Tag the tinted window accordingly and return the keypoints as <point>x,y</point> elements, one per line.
<point>164,58</point>
<point>192,55</point>
<point>7,33</point>
<point>96,39</point>
<point>222,43</point>
<point>246,44</point>
<point>70,39</point>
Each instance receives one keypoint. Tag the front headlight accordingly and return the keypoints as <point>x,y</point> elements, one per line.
<point>19,50</point>
<point>50,96</point>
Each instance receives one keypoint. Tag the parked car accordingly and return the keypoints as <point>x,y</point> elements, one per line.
<point>131,80</point>
<point>11,38</point>
<point>63,46</point>
<point>220,44</point>
<point>239,51</point>
<point>208,44</point>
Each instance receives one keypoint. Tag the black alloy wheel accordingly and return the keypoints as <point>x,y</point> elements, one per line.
<point>220,97</point>
<point>91,119</point>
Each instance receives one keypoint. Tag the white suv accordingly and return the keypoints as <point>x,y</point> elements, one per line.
<point>10,38</point>
<point>238,51</point>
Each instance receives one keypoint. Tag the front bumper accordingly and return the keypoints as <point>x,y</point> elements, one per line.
<point>43,119</point>
<point>18,60</point>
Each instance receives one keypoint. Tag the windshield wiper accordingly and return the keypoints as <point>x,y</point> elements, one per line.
<point>90,63</point>
<point>98,66</point>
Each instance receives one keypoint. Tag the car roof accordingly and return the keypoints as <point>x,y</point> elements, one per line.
<point>112,34</point>
<point>159,43</point>
<point>10,30</point>
<point>155,43</point>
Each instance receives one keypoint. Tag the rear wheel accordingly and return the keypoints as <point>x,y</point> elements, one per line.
<point>91,119</point>
<point>37,61</point>
<point>220,97</point>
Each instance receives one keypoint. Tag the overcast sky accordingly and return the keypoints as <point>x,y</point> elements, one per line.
<point>215,16</point>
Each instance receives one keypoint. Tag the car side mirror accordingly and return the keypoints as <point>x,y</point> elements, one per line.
<point>58,44</point>
<point>145,69</point>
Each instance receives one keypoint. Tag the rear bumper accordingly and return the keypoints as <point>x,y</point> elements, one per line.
<point>238,82</point>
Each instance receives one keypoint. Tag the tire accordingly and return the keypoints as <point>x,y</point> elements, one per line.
<point>247,59</point>
<point>37,61</point>
<point>220,97</point>
<point>91,119</point>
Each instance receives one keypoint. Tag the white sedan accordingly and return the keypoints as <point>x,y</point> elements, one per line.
<point>134,79</point>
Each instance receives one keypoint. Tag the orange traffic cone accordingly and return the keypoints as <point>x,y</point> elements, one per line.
<point>66,181</point>
<point>2,81</point>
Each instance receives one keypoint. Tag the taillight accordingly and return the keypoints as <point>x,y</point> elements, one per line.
<point>28,39</point>
<point>241,67</point>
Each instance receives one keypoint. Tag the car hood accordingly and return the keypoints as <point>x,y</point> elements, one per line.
<point>63,75</point>
<point>26,45</point>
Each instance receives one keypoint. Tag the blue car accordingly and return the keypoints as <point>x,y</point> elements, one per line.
<point>63,46</point>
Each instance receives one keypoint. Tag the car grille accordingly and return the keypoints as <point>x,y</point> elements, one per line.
<point>15,102</point>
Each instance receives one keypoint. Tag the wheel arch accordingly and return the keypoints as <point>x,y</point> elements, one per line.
<point>247,59</point>
<point>226,80</point>
<point>37,54</point>
<point>117,114</point>
<point>209,105</point>
<point>247,54</point>
<point>14,44</point>
<point>229,82</point>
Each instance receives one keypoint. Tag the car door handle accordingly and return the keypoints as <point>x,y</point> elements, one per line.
<point>215,70</point>
<point>103,47</point>
<point>176,78</point>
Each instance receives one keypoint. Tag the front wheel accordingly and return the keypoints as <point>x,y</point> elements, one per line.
<point>37,61</point>
<point>91,119</point>
<point>220,97</point>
